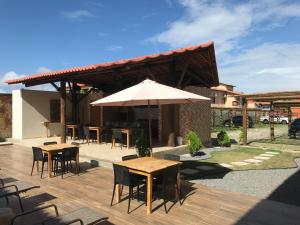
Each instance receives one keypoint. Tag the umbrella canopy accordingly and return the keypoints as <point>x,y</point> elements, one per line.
<point>149,92</point>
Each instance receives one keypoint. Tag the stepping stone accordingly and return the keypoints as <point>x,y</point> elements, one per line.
<point>273,153</point>
<point>206,168</point>
<point>252,160</point>
<point>189,171</point>
<point>225,165</point>
<point>261,157</point>
<point>239,163</point>
<point>266,155</point>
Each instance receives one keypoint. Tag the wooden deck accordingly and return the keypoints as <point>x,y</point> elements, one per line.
<point>93,188</point>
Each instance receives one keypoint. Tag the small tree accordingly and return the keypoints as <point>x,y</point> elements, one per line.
<point>223,139</point>
<point>194,142</point>
<point>143,148</point>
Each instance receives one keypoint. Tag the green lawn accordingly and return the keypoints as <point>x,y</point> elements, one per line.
<point>280,161</point>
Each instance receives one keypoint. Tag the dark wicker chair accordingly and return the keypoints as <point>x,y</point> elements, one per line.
<point>129,157</point>
<point>117,137</point>
<point>169,180</point>
<point>106,135</point>
<point>38,156</point>
<point>64,160</point>
<point>87,135</point>
<point>124,178</point>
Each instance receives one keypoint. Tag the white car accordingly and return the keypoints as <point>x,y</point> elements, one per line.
<point>277,119</point>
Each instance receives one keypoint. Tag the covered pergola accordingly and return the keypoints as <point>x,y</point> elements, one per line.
<point>278,100</point>
<point>191,66</point>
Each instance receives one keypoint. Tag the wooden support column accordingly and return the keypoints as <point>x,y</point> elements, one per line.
<point>271,121</point>
<point>289,117</point>
<point>63,111</point>
<point>74,103</point>
<point>245,121</point>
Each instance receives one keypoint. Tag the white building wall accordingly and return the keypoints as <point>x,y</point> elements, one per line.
<point>17,114</point>
<point>36,110</point>
<point>30,109</point>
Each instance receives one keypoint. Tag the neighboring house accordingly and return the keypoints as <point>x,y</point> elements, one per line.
<point>225,96</point>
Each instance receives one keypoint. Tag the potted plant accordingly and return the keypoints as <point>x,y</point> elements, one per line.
<point>223,139</point>
<point>194,143</point>
<point>142,147</point>
<point>179,140</point>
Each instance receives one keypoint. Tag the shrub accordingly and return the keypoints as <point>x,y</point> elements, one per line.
<point>223,139</point>
<point>142,146</point>
<point>194,142</point>
<point>2,138</point>
<point>241,136</point>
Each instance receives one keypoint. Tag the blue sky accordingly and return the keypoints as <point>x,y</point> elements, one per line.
<point>257,42</point>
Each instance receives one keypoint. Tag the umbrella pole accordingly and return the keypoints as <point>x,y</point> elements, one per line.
<point>149,128</point>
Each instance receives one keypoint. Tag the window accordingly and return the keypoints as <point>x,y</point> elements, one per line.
<point>235,103</point>
<point>213,98</point>
<point>54,110</point>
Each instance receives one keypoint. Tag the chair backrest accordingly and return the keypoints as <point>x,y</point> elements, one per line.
<point>50,143</point>
<point>37,154</point>
<point>86,131</point>
<point>170,175</point>
<point>121,175</point>
<point>129,157</point>
<point>66,153</point>
<point>74,151</point>
<point>117,134</point>
<point>75,143</point>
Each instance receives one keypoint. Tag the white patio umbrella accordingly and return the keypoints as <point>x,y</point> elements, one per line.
<point>149,93</point>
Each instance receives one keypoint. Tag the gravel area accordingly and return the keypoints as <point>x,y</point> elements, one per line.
<point>277,184</point>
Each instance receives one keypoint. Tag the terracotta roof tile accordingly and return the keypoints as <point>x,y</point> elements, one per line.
<point>108,65</point>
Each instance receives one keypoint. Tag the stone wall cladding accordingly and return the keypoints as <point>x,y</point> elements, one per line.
<point>6,115</point>
<point>196,116</point>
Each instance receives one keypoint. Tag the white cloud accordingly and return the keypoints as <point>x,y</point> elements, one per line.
<point>223,22</point>
<point>78,15</point>
<point>267,67</point>
<point>114,48</point>
<point>13,75</point>
<point>264,67</point>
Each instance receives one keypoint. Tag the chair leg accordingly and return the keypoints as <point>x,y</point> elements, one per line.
<point>32,168</point>
<point>113,195</point>
<point>138,193</point>
<point>43,163</point>
<point>178,189</point>
<point>20,202</point>
<point>62,166</point>
<point>165,199</point>
<point>129,199</point>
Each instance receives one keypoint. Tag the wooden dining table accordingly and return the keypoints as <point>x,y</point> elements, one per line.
<point>126,131</point>
<point>98,132</point>
<point>55,148</point>
<point>148,167</point>
<point>74,127</point>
